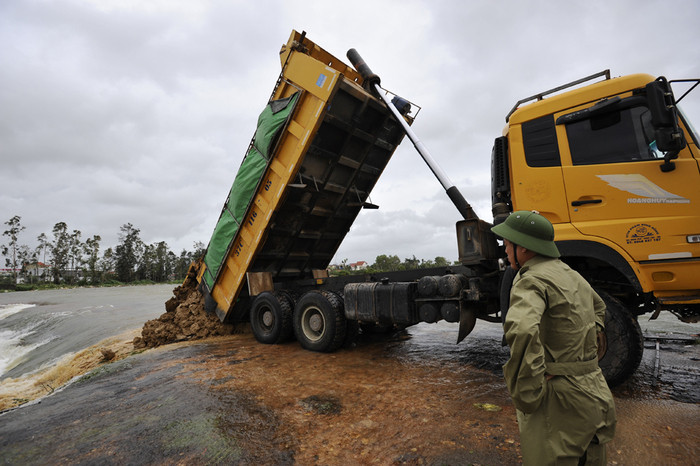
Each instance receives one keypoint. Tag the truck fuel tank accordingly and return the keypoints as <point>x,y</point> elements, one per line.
<point>382,302</point>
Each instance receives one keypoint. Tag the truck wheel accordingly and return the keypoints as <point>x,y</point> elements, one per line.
<point>319,321</point>
<point>271,318</point>
<point>620,350</point>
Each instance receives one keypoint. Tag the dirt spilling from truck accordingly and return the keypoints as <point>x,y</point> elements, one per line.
<point>185,318</point>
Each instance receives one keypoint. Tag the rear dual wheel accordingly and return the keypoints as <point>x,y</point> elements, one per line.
<point>319,321</point>
<point>271,317</point>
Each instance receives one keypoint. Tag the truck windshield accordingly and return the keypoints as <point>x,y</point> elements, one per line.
<point>626,135</point>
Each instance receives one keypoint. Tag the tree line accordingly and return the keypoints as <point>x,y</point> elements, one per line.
<point>64,257</point>
<point>390,263</point>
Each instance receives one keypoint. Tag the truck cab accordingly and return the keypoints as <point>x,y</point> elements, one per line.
<point>614,166</point>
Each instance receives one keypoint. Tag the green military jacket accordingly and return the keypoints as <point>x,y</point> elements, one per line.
<point>551,328</point>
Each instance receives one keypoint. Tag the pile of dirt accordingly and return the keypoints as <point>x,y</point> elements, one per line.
<point>185,319</point>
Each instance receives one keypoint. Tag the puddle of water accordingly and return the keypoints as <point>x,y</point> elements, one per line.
<point>669,372</point>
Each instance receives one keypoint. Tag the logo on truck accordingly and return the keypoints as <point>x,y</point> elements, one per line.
<point>640,185</point>
<point>642,233</point>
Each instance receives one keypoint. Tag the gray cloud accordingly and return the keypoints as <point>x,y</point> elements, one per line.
<point>116,112</point>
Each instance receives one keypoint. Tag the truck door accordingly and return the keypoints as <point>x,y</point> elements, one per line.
<point>615,188</point>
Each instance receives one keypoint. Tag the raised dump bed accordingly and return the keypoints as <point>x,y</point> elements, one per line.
<point>320,146</point>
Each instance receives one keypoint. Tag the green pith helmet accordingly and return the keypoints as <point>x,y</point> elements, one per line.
<point>529,230</point>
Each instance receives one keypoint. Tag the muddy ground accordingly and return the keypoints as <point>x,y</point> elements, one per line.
<point>410,398</point>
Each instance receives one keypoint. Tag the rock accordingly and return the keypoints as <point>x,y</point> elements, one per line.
<point>171,304</point>
<point>107,354</point>
<point>321,404</point>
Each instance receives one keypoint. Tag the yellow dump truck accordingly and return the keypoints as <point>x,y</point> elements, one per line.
<point>612,162</point>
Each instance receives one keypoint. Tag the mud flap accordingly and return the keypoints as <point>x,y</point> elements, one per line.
<point>467,320</point>
<point>467,313</point>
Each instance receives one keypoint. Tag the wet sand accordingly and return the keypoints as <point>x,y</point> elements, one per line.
<point>231,400</point>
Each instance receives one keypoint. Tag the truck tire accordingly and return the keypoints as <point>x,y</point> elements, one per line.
<point>622,344</point>
<point>319,321</point>
<point>271,318</point>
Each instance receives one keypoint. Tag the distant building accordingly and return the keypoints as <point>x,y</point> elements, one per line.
<point>359,265</point>
<point>36,269</point>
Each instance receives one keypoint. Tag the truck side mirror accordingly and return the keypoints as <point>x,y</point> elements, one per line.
<point>664,119</point>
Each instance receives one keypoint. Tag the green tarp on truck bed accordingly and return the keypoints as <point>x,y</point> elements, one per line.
<point>249,175</point>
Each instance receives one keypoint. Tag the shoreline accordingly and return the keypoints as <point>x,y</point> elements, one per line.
<point>34,386</point>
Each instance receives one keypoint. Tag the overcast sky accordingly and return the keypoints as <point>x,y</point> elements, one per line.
<point>141,111</point>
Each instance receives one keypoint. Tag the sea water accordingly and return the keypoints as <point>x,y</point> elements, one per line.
<point>37,328</point>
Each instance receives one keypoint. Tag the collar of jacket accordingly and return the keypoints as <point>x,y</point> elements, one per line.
<point>534,262</point>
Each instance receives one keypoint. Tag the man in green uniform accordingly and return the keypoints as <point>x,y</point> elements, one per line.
<point>565,410</point>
